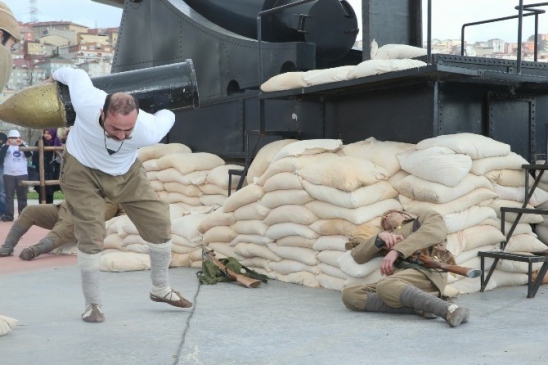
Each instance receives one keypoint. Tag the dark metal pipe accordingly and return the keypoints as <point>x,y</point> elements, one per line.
<point>171,87</point>
<point>330,24</point>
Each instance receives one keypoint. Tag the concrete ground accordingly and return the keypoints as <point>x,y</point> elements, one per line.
<point>276,323</point>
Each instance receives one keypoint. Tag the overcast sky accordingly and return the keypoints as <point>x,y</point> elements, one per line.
<point>448,16</point>
<point>83,12</point>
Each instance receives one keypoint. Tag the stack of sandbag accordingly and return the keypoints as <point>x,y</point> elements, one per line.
<point>194,184</point>
<point>541,229</point>
<point>470,203</point>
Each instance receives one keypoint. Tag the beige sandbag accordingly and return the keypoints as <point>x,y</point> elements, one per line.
<point>251,238</point>
<point>419,189</point>
<point>280,230</point>
<point>305,255</point>
<point>177,187</point>
<point>308,147</point>
<point>381,153</point>
<point>224,249</point>
<point>256,262</point>
<point>219,234</point>
<point>474,145</point>
<point>160,150</point>
<point>344,173</point>
<point>292,164</point>
<point>249,250</point>
<point>251,193</point>
<point>256,227</point>
<point>356,216</point>
<point>286,267</point>
<point>274,199</point>
<point>189,162</point>
<point>216,218</point>
<point>182,250</point>
<point>330,282</point>
<point>283,181</point>
<point>503,278</point>
<point>517,266</point>
<point>125,261</point>
<point>325,76</point>
<point>507,177</point>
<point>436,164</point>
<point>472,253</point>
<point>173,198</point>
<point>290,213</point>
<point>334,243</point>
<point>157,185</point>
<point>263,158</point>
<point>467,218</point>
<point>474,197</point>
<point>378,67</point>
<point>332,271</point>
<point>395,51</point>
<point>372,278</point>
<point>285,81</point>
<point>187,227</point>
<point>511,161</point>
<point>347,264</point>
<point>213,189</point>
<point>251,211</point>
<point>179,260</point>
<point>302,278</point>
<point>468,286</point>
<point>518,194</point>
<point>333,227</point>
<point>511,217</point>
<point>182,241</point>
<point>219,175</point>
<point>151,165</point>
<point>330,257</point>
<point>152,175</point>
<point>7,324</point>
<point>296,241</point>
<point>113,241</point>
<point>360,197</point>
<point>397,177</point>
<point>525,243</point>
<point>215,200</point>
<point>473,237</point>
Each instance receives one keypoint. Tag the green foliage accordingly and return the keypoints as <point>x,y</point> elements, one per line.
<point>33,195</point>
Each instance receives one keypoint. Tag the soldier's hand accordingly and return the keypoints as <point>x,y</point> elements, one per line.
<point>387,263</point>
<point>390,239</point>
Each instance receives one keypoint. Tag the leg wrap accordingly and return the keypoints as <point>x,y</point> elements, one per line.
<point>14,235</point>
<point>89,268</point>
<point>160,257</point>
<point>375,304</point>
<point>415,298</point>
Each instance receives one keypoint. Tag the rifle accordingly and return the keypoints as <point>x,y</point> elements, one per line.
<point>428,262</point>
<point>242,279</point>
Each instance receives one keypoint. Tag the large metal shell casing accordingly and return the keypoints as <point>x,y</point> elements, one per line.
<point>41,106</point>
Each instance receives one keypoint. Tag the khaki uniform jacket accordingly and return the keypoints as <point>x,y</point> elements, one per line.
<point>432,231</point>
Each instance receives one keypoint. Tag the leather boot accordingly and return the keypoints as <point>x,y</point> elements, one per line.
<point>415,298</point>
<point>14,235</point>
<point>45,245</point>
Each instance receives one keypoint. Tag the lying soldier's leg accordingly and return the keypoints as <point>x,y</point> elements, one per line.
<point>364,298</point>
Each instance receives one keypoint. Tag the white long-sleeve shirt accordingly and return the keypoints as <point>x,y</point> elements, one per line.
<point>87,142</point>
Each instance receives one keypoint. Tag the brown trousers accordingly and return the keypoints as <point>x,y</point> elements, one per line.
<point>388,289</point>
<point>85,190</point>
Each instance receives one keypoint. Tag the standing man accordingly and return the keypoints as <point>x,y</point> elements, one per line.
<point>100,161</point>
<point>407,287</point>
<point>3,140</point>
<point>15,171</point>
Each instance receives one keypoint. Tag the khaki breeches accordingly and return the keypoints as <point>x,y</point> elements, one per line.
<point>388,289</point>
<point>85,190</point>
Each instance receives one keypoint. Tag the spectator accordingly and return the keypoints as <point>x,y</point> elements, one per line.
<point>15,170</point>
<point>51,165</point>
<point>3,140</point>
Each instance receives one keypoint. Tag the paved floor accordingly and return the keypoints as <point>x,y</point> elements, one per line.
<point>276,323</point>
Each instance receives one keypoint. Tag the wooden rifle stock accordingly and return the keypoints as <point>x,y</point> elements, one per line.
<point>242,279</point>
<point>429,263</point>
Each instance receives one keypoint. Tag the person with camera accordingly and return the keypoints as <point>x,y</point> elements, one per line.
<point>15,170</point>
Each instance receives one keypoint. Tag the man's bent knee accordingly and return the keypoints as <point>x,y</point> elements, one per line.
<point>354,298</point>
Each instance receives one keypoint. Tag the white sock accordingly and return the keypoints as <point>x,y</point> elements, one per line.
<point>165,292</point>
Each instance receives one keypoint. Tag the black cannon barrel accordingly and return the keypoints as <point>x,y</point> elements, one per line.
<point>171,87</point>
<point>330,24</point>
